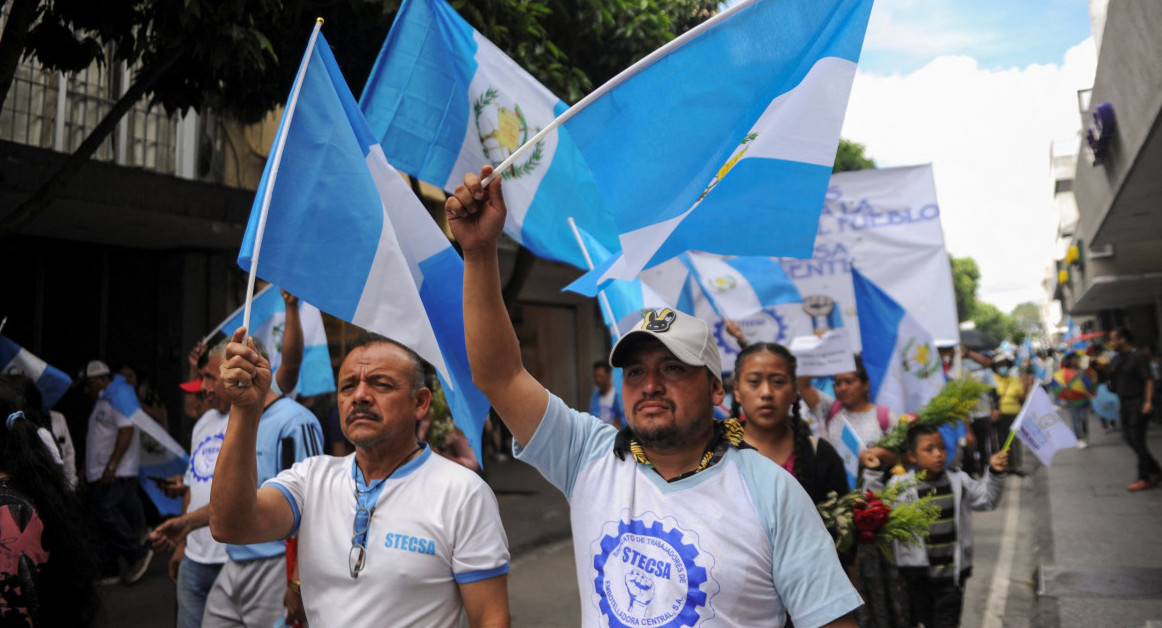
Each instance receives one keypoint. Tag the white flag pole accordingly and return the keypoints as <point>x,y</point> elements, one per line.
<point>625,75</point>
<point>600,293</point>
<point>276,158</point>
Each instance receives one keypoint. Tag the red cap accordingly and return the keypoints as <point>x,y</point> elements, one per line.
<point>192,386</point>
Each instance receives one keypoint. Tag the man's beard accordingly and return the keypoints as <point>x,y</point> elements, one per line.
<point>663,436</point>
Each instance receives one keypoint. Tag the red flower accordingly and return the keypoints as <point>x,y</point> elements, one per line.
<point>869,517</point>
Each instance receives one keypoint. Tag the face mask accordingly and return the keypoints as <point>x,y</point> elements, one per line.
<point>1003,371</point>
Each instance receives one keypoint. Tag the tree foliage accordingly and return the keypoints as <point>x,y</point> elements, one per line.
<point>572,46</point>
<point>965,281</point>
<point>850,156</point>
<point>991,321</point>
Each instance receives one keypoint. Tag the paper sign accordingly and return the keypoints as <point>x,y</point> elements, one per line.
<point>825,355</point>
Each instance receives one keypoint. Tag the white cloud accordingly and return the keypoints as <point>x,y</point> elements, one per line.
<point>987,134</point>
<point>900,28</point>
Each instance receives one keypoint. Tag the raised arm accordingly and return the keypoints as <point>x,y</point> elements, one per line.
<point>476,216</point>
<point>239,513</point>
<point>807,391</point>
<point>292,345</point>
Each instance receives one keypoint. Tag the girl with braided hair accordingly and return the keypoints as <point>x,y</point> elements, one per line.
<point>47,574</point>
<point>764,391</point>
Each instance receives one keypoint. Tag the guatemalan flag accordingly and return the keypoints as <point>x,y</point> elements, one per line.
<point>344,231</point>
<point>50,381</point>
<point>268,323</point>
<point>741,286</point>
<point>733,124</point>
<point>898,353</point>
<point>443,100</point>
<point>848,448</point>
<point>161,455</point>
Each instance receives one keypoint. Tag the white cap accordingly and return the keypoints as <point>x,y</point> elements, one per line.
<point>96,368</point>
<point>687,337</point>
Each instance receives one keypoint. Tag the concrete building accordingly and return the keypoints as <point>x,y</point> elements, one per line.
<point>1114,275</point>
<point>134,262</point>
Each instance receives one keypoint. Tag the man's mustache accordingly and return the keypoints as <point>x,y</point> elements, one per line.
<point>363,413</point>
<point>670,404</point>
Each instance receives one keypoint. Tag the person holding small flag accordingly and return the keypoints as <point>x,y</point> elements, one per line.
<point>935,568</point>
<point>852,406</point>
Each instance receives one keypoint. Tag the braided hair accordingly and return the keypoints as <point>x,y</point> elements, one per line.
<point>803,450</point>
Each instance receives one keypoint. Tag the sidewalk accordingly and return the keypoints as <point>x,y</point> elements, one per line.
<point>1104,567</point>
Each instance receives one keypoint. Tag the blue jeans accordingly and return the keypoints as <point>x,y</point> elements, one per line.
<point>194,582</point>
<point>1080,418</point>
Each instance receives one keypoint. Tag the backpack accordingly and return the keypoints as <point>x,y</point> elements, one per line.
<point>881,415</point>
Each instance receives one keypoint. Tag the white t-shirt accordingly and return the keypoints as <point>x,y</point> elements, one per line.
<point>866,424</point>
<point>205,443</point>
<point>734,545</point>
<point>436,524</point>
<point>104,423</point>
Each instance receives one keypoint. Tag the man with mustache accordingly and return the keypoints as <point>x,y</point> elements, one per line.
<point>671,505</point>
<point>391,532</point>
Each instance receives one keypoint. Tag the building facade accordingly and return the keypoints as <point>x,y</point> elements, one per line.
<point>1113,274</point>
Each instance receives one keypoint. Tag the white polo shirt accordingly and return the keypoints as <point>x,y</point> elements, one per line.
<point>435,525</point>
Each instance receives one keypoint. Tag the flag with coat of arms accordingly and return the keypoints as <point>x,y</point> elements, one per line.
<point>335,224</point>
<point>900,356</point>
<point>442,100</point>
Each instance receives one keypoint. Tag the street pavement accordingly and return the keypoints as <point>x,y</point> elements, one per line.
<point>1068,546</point>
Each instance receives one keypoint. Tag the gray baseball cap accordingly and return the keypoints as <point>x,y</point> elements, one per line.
<point>687,337</point>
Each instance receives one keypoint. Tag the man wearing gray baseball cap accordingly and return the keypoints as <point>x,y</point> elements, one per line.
<point>674,521</point>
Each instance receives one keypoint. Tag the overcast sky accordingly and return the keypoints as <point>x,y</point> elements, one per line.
<point>980,90</point>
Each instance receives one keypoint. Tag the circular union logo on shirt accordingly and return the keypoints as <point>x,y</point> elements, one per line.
<point>205,456</point>
<point>650,572</point>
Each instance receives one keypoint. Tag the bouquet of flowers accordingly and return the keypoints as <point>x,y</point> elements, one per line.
<point>951,404</point>
<point>878,518</point>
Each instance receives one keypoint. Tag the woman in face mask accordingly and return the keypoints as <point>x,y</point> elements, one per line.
<point>1010,395</point>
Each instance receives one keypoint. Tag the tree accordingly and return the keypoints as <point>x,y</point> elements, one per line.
<point>993,322</point>
<point>965,281</point>
<point>850,156</point>
<point>1027,317</point>
<point>238,58</point>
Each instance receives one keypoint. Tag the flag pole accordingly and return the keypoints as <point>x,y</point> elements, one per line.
<point>600,293</point>
<point>276,158</point>
<point>623,76</point>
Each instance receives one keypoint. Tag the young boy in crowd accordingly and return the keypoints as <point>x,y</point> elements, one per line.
<point>935,569</point>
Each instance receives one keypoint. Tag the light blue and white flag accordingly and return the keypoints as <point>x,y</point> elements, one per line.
<point>848,447</point>
<point>161,455</point>
<point>898,353</point>
<point>50,381</point>
<point>343,231</point>
<point>443,100</point>
<point>268,324</point>
<point>1041,428</point>
<point>741,286</point>
<point>727,134</point>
